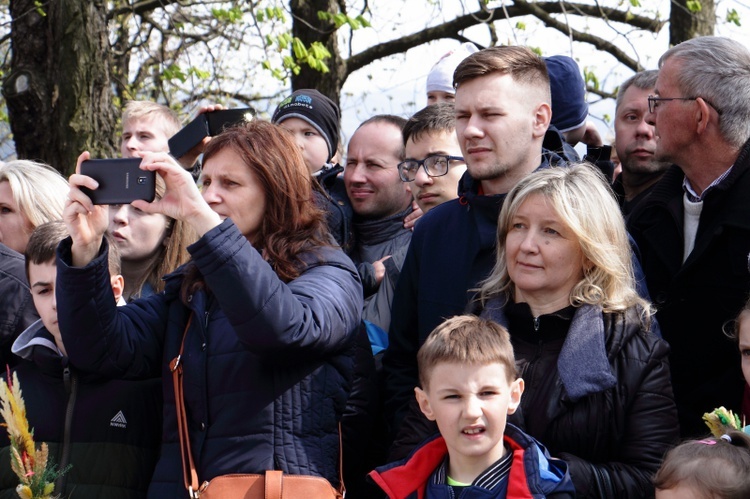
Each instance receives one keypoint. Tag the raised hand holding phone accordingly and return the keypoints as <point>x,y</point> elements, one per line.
<point>86,221</point>
<point>121,181</point>
<point>182,199</point>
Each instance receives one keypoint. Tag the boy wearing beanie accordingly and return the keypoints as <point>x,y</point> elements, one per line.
<point>313,120</point>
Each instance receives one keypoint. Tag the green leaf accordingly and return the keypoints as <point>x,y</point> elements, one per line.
<point>635,3</point>
<point>340,19</point>
<point>591,79</point>
<point>300,52</point>
<point>353,23</point>
<point>319,51</point>
<point>233,15</point>
<point>199,73</point>
<point>38,5</point>
<point>364,22</point>
<point>520,25</point>
<point>733,17</point>
<point>174,72</point>
<point>694,6</point>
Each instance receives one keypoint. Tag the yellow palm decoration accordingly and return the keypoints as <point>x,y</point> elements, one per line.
<point>26,461</point>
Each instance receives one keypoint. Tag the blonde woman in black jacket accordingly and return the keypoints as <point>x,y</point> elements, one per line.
<point>598,389</point>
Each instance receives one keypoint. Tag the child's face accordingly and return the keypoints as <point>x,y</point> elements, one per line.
<point>744,343</point>
<point>312,144</point>
<point>438,96</point>
<point>143,135</point>
<point>470,404</point>
<point>42,281</point>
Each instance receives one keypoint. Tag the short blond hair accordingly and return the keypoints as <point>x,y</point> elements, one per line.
<point>165,117</point>
<point>466,339</point>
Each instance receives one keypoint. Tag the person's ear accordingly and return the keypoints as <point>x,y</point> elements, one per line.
<point>516,390</point>
<point>702,115</point>
<point>424,403</point>
<point>118,286</point>
<point>542,118</point>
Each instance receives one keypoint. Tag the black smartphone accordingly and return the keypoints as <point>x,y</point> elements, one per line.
<point>206,125</point>
<point>225,118</point>
<point>121,181</point>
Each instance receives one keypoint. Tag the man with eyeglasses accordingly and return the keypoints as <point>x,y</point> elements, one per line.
<point>433,163</point>
<point>693,230</point>
<point>502,111</point>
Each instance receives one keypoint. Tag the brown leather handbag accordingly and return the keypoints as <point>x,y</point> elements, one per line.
<point>271,485</point>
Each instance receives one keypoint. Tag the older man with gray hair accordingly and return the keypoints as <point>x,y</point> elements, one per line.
<point>693,230</point>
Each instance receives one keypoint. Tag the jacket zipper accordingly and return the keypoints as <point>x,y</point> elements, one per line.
<point>71,388</point>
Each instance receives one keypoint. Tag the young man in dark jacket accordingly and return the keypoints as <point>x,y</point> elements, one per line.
<point>107,430</point>
<point>502,114</point>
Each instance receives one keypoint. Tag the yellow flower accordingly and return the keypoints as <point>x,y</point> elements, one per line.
<point>23,491</point>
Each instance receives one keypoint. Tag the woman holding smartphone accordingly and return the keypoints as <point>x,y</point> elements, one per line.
<point>266,307</point>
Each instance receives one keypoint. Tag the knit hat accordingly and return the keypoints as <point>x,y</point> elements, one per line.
<point>569,106</point>
<point>316,109</point>
<point>440,78</point>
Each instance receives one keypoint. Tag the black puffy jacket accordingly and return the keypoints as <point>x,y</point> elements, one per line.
<point>17,310</point>
<point>613,439</point>
<point>694,299</point>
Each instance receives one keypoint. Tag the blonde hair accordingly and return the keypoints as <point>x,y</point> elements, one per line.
<point>38,189</point>
<point>143,109</point>
<point>586,205</point>
<point>466,339</point>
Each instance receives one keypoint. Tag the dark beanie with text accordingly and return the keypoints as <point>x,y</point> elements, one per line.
<point>317,110</point>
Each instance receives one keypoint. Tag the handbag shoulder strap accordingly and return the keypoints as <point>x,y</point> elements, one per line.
<point>190,475</point>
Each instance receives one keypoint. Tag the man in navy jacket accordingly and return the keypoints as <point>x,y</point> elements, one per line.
<point>502,114</point>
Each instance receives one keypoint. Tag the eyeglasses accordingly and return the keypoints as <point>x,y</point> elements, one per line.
<point>434,166</point>
<point>653,102</point>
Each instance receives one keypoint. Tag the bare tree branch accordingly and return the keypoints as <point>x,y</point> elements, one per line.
<point>540,10</point>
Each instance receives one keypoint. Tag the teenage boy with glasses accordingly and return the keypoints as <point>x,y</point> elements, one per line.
<point>433,157</point>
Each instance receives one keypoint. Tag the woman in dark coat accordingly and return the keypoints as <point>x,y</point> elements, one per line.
<point>270,308</point>
<point>598,391</point>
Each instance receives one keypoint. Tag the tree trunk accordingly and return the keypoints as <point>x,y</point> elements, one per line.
<point>308,28</point>
<point>684,25</point>
<point>58,90</point>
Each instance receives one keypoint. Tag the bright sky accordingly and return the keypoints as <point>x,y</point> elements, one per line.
<point>397,85</point>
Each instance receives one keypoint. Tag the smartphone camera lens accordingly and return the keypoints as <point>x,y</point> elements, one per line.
<point>142,180</point>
